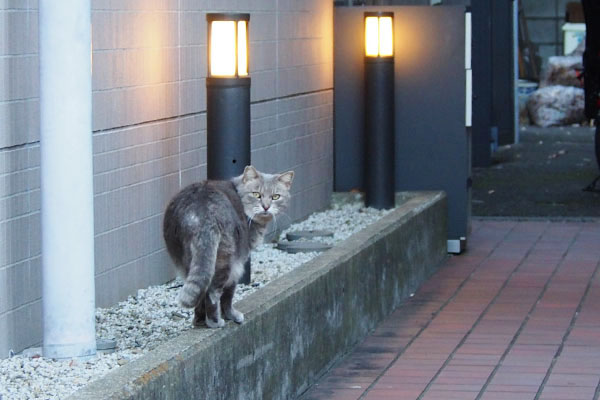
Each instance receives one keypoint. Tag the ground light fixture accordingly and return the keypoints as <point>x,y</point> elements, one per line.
<point>228,99</point>
<point>379,110</point>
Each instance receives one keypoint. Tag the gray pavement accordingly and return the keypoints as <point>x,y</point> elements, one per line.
<point>541,176</point>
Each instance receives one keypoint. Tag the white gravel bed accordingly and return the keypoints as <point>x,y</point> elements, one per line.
<point>153,316</point>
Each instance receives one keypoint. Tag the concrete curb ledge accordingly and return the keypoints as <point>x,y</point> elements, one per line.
<point>300,324</point>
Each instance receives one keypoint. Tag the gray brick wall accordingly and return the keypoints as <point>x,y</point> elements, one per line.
<point>149,132</point>
<point>20,263</point>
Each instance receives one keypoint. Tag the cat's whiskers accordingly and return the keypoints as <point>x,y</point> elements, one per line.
<point>250,219</point>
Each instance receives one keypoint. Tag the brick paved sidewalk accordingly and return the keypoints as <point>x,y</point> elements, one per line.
<point>517,317</point>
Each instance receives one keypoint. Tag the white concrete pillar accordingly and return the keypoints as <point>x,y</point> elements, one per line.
<point>67,178</point>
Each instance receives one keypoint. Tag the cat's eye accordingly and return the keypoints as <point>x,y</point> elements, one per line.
<point>256,194</point>
<point>276,196</point>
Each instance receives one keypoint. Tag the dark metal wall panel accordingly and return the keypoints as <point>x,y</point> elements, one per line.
<point>503,71</point>
<point>482,82</point>
<point>431,141</point>
<point>348,98</point>
<point>432,150</point>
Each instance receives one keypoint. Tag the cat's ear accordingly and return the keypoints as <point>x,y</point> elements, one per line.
<point>250,174</point>
<point>286,178</point>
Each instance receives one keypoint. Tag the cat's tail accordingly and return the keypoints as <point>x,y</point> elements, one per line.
<point>202,256</point>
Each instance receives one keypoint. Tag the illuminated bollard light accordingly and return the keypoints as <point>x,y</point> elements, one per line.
<point>379,110</point>
<point>228,99</point>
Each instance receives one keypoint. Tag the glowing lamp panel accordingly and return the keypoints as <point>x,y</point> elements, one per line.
<point>242,51</point>
<point>386,41</point>
<point>372,36</point>
<point>222,48</point>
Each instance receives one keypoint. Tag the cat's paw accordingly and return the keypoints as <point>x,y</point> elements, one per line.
<point>215,324</point>
<point>235,316</point>
<point>186,300</point>
<point>189,295</point>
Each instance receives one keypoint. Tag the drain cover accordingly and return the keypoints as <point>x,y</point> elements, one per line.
<point>297,235</point>
<point>302,246</point>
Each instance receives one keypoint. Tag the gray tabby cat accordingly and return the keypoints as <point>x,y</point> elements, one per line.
<point>210,228</point>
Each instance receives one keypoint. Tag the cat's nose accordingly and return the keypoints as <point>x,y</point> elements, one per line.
<point>265,207</point>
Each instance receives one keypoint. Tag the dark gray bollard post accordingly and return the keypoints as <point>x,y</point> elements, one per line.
<point>228,126</point>
<point>228,99</point>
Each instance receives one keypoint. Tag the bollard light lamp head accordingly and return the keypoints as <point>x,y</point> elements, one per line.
<point>227,45</point>
<point>379,34</point>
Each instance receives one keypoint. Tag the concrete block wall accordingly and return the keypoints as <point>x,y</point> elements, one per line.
<point>149,132</point>
<point>20,263</point>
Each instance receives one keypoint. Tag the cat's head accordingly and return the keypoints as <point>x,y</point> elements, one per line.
<point>263,195</point>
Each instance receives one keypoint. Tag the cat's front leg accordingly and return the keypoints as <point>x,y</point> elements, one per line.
<point>212,305</point>
<point>229,312</point>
